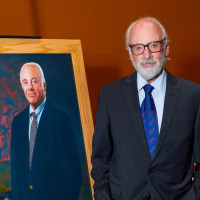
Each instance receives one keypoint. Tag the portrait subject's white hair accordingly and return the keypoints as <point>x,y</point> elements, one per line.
<point>164,33</point>
<point>38,66</point>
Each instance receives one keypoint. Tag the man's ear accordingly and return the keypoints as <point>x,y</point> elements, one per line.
<point>167,50</point>
<point>45,86</point>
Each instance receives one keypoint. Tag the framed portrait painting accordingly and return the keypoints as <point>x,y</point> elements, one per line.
<point>62,64</point>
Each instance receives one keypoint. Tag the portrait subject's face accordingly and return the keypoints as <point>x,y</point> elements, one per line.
<point>148,64</point>
<point>32,85</point>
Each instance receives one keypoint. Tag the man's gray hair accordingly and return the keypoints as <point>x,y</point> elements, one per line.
<point>38,66</point>
<point>146,19</point>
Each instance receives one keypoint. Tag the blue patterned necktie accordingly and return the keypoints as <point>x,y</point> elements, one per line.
<point>150,121</point>
<point>33,132</point>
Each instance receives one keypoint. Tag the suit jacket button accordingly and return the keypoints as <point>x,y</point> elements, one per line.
<point>150,171</point>
<point>31,187</point>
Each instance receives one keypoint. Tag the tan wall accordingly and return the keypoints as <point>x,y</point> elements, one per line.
<point>101,26</point>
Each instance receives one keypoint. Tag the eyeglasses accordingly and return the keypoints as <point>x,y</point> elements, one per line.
<point>138,49</point>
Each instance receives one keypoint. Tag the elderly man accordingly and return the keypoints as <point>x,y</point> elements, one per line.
<point>147,132</point>
<point>44,156</point>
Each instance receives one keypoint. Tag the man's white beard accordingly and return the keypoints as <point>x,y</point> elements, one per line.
<point>149,73</point>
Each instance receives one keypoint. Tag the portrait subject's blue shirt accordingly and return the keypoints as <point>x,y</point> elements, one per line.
<point>158,93</point>
<point>38,112</point>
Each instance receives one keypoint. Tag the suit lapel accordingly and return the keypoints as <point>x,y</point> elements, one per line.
<point>171,99</point>
<point>41,138</point>
<point>134,105</point>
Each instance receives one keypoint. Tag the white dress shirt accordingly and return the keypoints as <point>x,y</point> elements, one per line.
<point>158,93</point>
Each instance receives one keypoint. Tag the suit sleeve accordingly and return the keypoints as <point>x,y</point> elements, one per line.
<point>102,151</point>
<point>197,155</point>
<point>15,177</point>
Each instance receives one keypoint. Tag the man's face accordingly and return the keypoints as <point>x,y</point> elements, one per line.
<point>148,64</point>
<point>32,85</point>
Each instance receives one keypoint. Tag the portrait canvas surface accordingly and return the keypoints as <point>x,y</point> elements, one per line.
<point>63,91</point>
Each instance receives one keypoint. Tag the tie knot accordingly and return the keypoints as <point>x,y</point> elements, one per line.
<point>33,114</point>
<point>148,88</point>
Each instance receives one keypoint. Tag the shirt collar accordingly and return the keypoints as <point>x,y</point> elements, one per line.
<point>39,109</point>
<point>159,84</point>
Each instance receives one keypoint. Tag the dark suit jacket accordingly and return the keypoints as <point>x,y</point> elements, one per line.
<point>56,171</point>
<point>122,167</point>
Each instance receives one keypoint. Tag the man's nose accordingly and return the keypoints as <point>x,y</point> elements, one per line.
<point>147,54</point>
<point>30,86</point>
